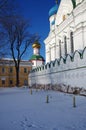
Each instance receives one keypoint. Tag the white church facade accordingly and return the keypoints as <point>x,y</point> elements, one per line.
<point>67,29</point>
<point>65,50</point>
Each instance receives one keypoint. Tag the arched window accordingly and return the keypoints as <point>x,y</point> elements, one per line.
<point>60,48</point>
<point>65,45</point>
<point>71,42</point>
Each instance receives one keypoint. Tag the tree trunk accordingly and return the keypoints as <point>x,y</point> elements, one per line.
<point>17,76</point>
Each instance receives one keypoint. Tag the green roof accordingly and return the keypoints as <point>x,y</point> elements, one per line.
<point>37,57</point>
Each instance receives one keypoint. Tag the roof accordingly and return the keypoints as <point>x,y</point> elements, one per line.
<point>36,44</point>
<point>37,57</point>
<point>8,61</point>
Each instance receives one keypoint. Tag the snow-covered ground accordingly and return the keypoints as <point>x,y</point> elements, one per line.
<point>19,110</point>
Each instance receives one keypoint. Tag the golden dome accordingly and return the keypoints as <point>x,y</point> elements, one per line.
<point>36,45</point>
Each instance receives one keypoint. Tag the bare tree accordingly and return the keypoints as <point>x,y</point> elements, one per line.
<point>16,29</point>
<point>7,8</point>
<point>14,34</point>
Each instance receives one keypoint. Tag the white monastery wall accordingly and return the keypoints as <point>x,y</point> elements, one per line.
<point>71,71</point>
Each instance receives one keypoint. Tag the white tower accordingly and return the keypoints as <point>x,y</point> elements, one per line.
<point>36,59</point>
<point>50,43</point>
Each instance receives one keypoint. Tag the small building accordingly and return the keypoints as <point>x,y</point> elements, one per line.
<point>36,59</point>
<point>8,73</point>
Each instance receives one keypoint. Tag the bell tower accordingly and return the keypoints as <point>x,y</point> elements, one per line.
<point>36,59</point>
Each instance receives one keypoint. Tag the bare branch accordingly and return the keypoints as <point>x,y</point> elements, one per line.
<point>3,3</point>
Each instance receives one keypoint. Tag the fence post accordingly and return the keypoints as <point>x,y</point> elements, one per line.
<point>47,99</point>
<point>74,101</point>
<point>31,91</point>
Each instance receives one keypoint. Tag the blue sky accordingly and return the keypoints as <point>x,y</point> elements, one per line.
<point>37,12</point>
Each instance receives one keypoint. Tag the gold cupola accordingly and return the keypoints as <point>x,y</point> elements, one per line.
<point>36,44</point>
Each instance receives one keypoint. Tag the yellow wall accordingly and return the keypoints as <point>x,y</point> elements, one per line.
<point>10,77</point>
